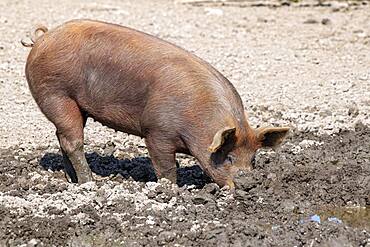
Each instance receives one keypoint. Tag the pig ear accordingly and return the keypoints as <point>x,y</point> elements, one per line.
<point>271,136</point>
<point>220,137</point>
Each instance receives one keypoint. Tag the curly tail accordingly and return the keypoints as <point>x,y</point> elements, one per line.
<point>39,31</point>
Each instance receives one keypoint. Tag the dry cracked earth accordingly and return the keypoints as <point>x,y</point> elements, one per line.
<point>302,66</point>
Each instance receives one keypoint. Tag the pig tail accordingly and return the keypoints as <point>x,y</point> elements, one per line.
<point>39,31</point>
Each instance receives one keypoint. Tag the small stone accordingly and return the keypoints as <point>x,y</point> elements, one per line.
<point>119,154</point>
<point>151,195</point>
<point>211,188</point>
<point>33,242</point>
<point>364,77</point>
<point>118,178</point>
<point>260,19</point>
<point>164,181</point>
<point>359,126</point>
<point>152,185</point>
<point>333,179</point>
<point>213,11</point>
<point>337,6</point>
<point>325,113</point>
<point>325,21</point>
<point>166,237</point>
<point>109,148</point>
<point>33,161</point>
<point>361,34</point>
<point>245,183</point>
<point>310,21</point>
<point>150,220</point>
<point>288,206</point>
<point>202,199</point>
<point>271,176</point>
<point>353,110</point>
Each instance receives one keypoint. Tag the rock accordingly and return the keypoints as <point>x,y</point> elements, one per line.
<point>260,19</point>
<point>325,113</point>
<point>361,33</point>
<point>337,6</point>
<point>119,178</point>
<point>326,21</point>
<point>152,185</point>
<point>211,188</point>
<point>213,11</point>
<point>202,198</point>
<point>360,126</point>
<point>109,148</point>
<point>353,110</point>
<point>288,206</point>
<point>120,154</point>
<point>310,21</point>
<point>271,176</point>
<point>245,182</point>
<point>166,237</point>
<point>33,242</point>
<point>333,179</point>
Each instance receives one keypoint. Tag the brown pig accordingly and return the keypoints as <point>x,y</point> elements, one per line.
<point>141,85</point>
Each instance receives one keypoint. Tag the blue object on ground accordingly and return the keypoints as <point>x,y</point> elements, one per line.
<point>335,220</point>
<point>315,218</point>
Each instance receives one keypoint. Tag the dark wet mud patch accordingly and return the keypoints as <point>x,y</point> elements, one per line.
<point>139,169</point>
<point>306,176</point>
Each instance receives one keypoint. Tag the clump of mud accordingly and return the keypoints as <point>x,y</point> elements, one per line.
<point>277,203</point>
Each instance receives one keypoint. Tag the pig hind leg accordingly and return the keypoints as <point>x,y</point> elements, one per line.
<point>69,122</point>
<point>162,154</point>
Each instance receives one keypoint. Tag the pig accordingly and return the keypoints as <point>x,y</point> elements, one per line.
<point>141,85</point>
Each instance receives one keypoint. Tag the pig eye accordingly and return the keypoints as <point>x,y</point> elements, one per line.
<point>230,158</point>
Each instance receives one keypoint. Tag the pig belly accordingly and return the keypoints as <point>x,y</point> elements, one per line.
<point>116,117</point>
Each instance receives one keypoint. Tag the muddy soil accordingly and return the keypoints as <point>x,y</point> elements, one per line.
<point>302,65</point>
<point>308,176</point>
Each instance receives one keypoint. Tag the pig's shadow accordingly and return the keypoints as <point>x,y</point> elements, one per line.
<point>140,169</point>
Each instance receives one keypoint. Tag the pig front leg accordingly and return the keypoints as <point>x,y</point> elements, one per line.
<point>162,154</point>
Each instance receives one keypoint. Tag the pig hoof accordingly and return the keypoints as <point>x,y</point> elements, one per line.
<point>84,179</point>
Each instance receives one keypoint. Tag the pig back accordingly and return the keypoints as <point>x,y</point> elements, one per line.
<point>129,80</point>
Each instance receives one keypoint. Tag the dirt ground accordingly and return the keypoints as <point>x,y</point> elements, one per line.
<point>305,67</point>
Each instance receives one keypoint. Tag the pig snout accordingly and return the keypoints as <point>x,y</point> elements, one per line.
<point>236,177</point>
